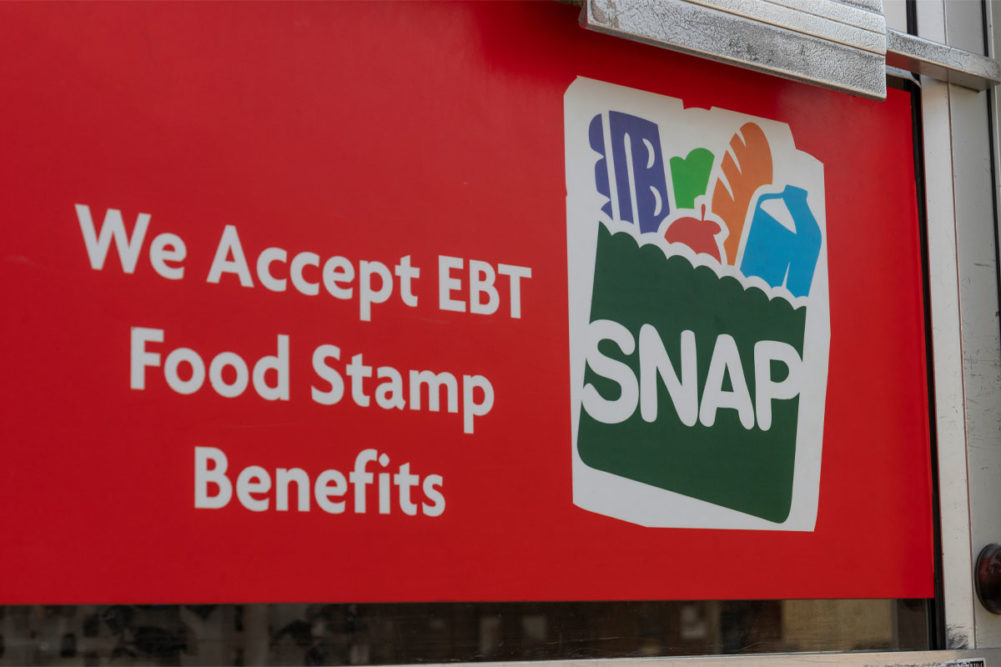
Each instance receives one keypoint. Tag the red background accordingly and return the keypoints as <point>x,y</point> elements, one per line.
<point>375,131</point>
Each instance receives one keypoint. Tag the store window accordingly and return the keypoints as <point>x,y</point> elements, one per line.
<point>501,339</point>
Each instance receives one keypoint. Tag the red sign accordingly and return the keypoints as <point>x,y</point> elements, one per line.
<point>337,302</point>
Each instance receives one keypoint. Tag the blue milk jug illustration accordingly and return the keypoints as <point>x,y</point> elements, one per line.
<point>783,243</point>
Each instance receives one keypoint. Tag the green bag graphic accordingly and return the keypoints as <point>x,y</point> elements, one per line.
<point>699,338</point>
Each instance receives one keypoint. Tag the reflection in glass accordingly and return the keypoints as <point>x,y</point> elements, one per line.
<point>359,634</point>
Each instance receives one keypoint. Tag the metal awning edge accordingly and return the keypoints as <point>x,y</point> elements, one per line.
<point>696,29</point>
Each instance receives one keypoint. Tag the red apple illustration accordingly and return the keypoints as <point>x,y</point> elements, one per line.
<point>699,235</point>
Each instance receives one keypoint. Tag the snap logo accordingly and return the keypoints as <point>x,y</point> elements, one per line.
<point>699,313</point>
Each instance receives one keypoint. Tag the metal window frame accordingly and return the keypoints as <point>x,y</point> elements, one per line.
<point>946,658</point>
<point>841,44</point>
<point>960,172</point>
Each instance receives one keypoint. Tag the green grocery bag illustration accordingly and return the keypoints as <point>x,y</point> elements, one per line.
<point>699,315</point>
